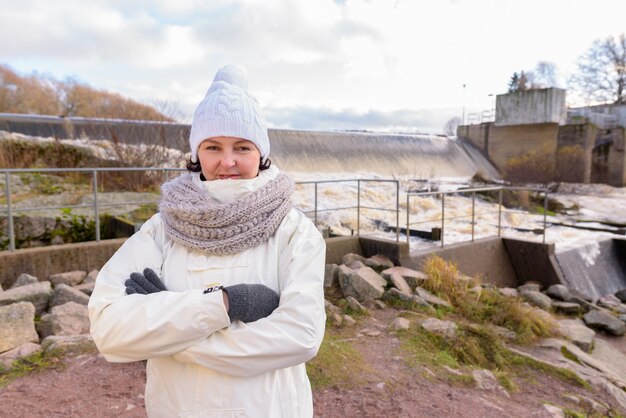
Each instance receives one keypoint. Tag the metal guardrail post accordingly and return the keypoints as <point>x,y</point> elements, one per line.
<point>545,214</point>
<point>408,213</point>
<point>315,204</point>
<point>499,210</point>
<point>95,204</point>
<point>397,211</point>
<point>358,207</point>
<point>11,231</point>
<point>443,216</point>
<point>473,208</point>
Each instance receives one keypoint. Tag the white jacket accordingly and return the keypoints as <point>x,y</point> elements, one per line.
<point>199,364</point>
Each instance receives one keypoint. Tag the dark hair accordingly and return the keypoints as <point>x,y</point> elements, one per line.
<point>196,168</point>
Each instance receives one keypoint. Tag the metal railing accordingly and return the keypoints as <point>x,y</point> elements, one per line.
<point>97,205</point>
<point>473,191</point>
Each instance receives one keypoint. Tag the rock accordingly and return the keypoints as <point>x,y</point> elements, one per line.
<point>379,262</point>
<point>362,284</point>
<point>412,277</point>
<point>446,329</point>
<point>335,319</point>
<point>369,332</point>
<point>400,324</point>
<point>577,332</point>
<point>609,302</point>
<point>330,275</point>
<point>380,304</point>
<point>604,321</point>
<point>38,294</point>
<point>355,265</point>
<point>602,384</point>
<point>24,350</point>
<point>622,318</point>
<point>569,308</point>
<point>487,381</point>
<point>71,343</point>
<point>330,308</point>
<point>509,292</point>
<point>621,295</point>
<point>537,299</point>
<point>394,295</point>
<point>86,288</point>
<point>554,411</point>
<point>24,280</point>
<point>57,240</point>
<point>91,277</point>
<point>559,292</point>
<point>70,278</point>
<point>355,305</point>
<point>18,325</point>
<point>504,333</point>
<point>69,319</point>
<point>430,298</point>
<point>533,287</point>
<point>468,281</point>
<point>400,283</point>
<point>350,257</point>
<point>348,321</point>
<point>63,294</point>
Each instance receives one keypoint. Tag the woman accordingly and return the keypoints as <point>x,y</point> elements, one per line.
<point>222,291</point>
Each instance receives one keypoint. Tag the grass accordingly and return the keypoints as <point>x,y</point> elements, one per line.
<point>337,364</point>
<point>34,363</point>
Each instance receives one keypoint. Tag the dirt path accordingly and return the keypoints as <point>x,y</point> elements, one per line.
<point>88,386</point>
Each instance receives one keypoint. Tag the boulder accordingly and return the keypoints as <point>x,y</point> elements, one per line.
<point>355,305</point>
<point>621,318</point>
<point>69,319</point>
<point>509,292</point>
<point>38,294</point>
<point>86,288</point>
<point>24,280</point>
<point>18,325</point>
<point>430,298</point>
<point>362,284</point>
<point>577,332</point>
<point>356,264</point>
<point>621,295</point>
<point>604,321</point>
<point>446,329</point>
<point>330,308</point>
<point>91,277</point>
<point>412,277</point>
<point>350,257</point>
<point>401,284</point>
<point>379,262</point>
<point>486,380</point>
<point>70,278</point>
<point>534,287</point>
<point>537,299</point>
<point>348,321</point>
<point>334,319</point>
<point>568,308</point>
<point>330,275</point>
<point>400,324</point>
<point>394,295</point>
<point>24,350</point>
<point>609,302</point>
<point>559,292</point>
<point>63,294</point>
<point>72,343</point>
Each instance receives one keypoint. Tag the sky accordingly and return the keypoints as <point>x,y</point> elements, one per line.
<point>381,65</point>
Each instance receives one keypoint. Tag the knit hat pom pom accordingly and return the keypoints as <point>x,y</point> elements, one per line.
<point>233,74</point>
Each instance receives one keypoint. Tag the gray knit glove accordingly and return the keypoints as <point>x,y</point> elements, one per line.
<point>145,283</point>
<point>250,302</point>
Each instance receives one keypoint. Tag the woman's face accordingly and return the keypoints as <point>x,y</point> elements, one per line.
<point>225,157</point>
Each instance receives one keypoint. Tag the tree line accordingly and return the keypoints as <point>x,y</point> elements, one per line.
<point>45,95</point>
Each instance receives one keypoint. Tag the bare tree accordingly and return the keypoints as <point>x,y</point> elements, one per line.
<point>449,128</point>
<point>601,73</point>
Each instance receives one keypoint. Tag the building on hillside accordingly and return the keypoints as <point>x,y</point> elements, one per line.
<point>535,138</point>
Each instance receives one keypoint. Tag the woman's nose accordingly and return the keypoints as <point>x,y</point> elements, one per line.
<point>228,161</point>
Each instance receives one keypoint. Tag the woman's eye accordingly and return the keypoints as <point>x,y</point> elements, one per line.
<point>243,149</point>
<point>210,148</point>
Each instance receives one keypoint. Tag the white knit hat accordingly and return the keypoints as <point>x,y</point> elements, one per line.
<point>229,110</point>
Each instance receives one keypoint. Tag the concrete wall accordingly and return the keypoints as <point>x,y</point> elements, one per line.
<point>515,141</point>
<point>574,148</point>
<point>476,134</point>
<point>534,261</point>
<point>531,107</point>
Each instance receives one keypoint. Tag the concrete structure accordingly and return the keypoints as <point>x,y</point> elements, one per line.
<point>534,106</point>
<point>531,141</point>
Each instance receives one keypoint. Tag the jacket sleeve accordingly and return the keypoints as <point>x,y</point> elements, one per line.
<point>137,327</point>
<point>292,334</point>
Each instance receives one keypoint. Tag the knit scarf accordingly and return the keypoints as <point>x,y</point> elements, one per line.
<point>193,219</point>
